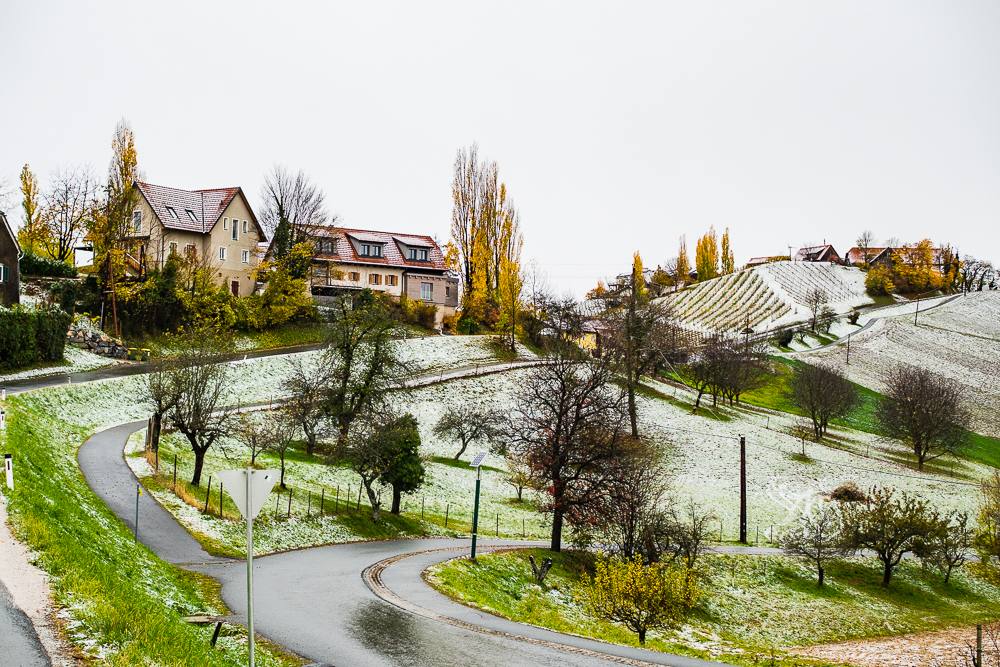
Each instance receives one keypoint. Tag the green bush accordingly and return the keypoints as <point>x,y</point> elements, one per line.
<point>32,336</point>
<point>36,265</point>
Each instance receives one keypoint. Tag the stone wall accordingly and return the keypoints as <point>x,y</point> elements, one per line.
<point>96,342</point>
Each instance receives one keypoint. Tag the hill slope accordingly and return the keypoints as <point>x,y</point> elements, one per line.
<point>767,296</point>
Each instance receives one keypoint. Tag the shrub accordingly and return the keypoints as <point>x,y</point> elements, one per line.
<point>784,338</point>
<point>36,265</point>
<point>31,336</point>
<point>878,282</point>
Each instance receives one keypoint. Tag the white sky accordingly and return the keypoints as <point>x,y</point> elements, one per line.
<point>617,127</point>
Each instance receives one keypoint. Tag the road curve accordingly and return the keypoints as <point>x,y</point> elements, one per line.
<point>316,603</point>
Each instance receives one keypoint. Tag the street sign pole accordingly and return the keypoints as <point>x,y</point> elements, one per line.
<point>249,489</point>
<point>477,463</point>
<point>8,466</point>
<point>249,473</point>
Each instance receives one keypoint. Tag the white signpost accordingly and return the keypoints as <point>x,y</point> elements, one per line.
<point>8,465</point>
<point>249,489</point>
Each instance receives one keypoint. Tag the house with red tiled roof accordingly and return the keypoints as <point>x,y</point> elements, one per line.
<point>819,253</point>
<point>349,260</point>
<point>216,228</point>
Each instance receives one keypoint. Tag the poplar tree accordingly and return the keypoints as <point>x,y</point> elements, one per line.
<point>706,259</point>
<point>33,234</point>
<point>728,265</point>
<point>683,263</point>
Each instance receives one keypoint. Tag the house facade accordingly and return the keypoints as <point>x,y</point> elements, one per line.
<point>884,256</point>
<point>10,256</point>
<point>216,228</point>
<point>396,264</point>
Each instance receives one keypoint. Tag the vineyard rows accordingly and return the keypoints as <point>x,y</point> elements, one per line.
<point>766,296</point>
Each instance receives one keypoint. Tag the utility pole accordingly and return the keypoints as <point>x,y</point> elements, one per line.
<point>848,349</point>
<point>743,489</point>
<point>916,311</point>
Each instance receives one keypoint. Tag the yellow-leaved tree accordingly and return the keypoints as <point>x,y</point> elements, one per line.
<point>683,264</point>
<point>728,265</point>
<point>706,256</point>
<point>509,297</point>
<point>34,234</point>
<point>641,597</point>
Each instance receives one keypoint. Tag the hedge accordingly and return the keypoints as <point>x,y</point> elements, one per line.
<point>36,265</point>
<point>32,336</point>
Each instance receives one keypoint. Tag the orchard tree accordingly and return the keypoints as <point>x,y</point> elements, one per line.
<point>306,384</point>
<point>924,410</point>
<point>404,469</point>
<point>816,539</point>
<point>568,421</point>
<point>816,299</point>
<point>822,392</point>
<point>468,423</point>
<point>888,524</point>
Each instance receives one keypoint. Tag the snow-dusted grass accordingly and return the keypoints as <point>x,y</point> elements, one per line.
<point>957,340</point>
<point>76,361</point>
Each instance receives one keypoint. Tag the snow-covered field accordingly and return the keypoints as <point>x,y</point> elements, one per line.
<point>77,361</point>
<point>960,340</point>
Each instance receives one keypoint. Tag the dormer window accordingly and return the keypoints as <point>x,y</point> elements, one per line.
<point>191,215</point>
<point>376,251</point>
<point>422,255</point>
<point>171,212</point>
<point>417,255</point>
<point>413,254</point>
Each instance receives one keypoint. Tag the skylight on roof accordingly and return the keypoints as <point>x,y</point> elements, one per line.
<point>172,212</point>
<point>191,215</point>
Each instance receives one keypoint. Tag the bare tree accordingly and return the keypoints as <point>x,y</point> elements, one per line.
<point>200,381</point>
<point>468,423</point>
<point>69,207</point>
<point>865,241</point>
<point>306,384</point>
<point>975,274</point>
<point>816,539</point>
<point>823,393</point>
<point>519,475</point>
<point>680,534</point>
<point>886,524</point>
<point>264,432</point>
<point>568,421</point>
<point>294,204</point>
<point>161,395</point>
<point>815,300</point>
<point>924,410</point>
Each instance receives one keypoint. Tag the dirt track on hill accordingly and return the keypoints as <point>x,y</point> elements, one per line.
<point>937,648</point>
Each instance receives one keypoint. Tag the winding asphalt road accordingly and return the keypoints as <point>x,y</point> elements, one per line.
<point>316,601</point>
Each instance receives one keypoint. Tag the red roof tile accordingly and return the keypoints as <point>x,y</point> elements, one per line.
<point>207,206</point>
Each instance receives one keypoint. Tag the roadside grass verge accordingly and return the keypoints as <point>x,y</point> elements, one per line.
<point>747,614</point>
<point>122,605</point>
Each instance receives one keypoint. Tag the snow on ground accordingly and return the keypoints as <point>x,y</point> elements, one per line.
<point>904,308</point>
<point>77,361</point>
<point>958,340</point>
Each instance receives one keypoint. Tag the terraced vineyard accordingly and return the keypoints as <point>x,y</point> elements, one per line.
<point>766,296</point>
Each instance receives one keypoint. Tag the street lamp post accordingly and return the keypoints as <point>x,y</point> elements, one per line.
<point>477,463</point>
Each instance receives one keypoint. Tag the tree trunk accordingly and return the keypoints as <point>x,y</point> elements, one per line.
<point>310,440</point>
<point>154,435</point>
<point>373,500</point>
<point>397,496</point>
<point>631,407</point>
<point>282,457</point>
<point>697,401</point>
<point>462,450</point>
<point>642,636</point>
<point>199,461</point>
<point>557,524</point>
<point>821,576</point>
<point>887,574</point>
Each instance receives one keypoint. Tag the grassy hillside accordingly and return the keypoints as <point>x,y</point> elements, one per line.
<point>757,607</point>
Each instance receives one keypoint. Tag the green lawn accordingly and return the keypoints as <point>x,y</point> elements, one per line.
<point>755,605</point>
<point>122,601</point>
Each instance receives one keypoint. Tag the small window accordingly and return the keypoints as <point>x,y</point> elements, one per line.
<point>376,251</point>
<point>328,247</point>
<point>374,278</point>
<point>413,254</point>
<point>244,226</point>
<point>3,273</point>
<point>137,221</point>
<point>423,255</point>
<point>354,275</point>
<point>427,291</point>
<point>447,290</point>
<point>236,231</point>
<point>191,215</point>
<point>173,247</point>
<point>190,251</point>
<point>365,250</point>
<point>246,256</point>
<point>225,223</point>
<point>392,280</point>
<point>222,253</point>
<point>172,212</point>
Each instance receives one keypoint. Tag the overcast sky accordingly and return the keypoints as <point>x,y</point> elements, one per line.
<point>617,127</point>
